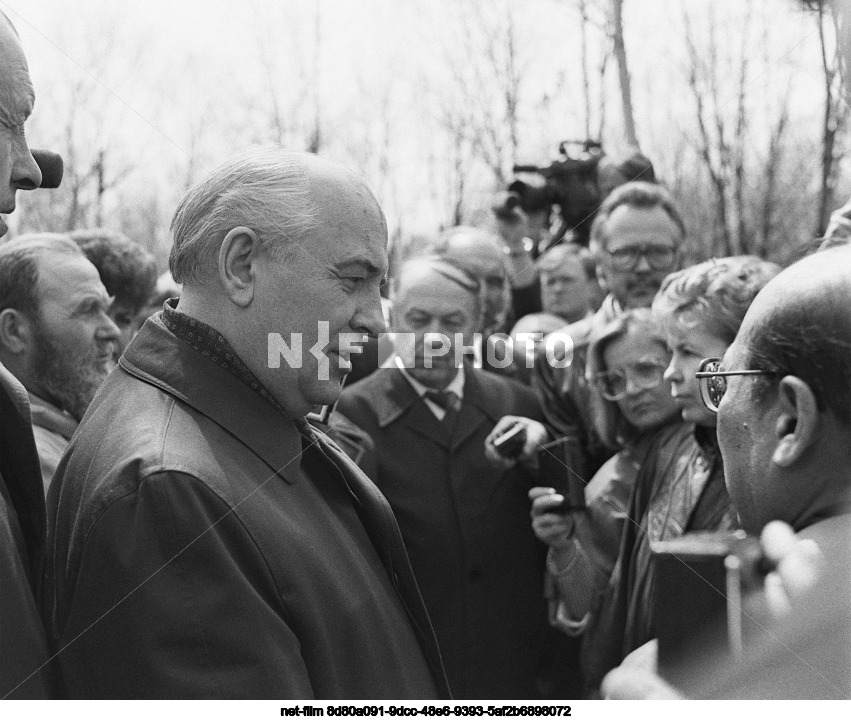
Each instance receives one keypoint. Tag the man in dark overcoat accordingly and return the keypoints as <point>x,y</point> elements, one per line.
<point>465,522</point>
<point>203,540</point>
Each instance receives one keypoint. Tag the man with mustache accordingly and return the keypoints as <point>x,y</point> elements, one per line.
<point>204,541</point>
<point>56,336</point>
<point>636,238</point>
<point>464,521</point>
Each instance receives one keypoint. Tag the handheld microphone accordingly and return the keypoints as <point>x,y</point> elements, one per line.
<point>51,167</point>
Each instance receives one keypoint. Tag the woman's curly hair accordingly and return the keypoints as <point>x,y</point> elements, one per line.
<point>127,271</point>
<point>715,294</point>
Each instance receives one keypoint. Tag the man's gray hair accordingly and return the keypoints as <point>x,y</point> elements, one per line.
<point>446,267</point>
<point>636,194</point>
<point>266,189</point>
<point>19,267</point>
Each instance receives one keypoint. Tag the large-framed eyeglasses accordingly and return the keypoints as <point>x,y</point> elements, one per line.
<point>713,382</point>
<point>659,257</point>
<point>643,375</point>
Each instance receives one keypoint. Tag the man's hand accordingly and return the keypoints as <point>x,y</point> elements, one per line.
<point>636,677</point>
<point>536,436</point>
<point>550,526</point>
<point>798,563</point>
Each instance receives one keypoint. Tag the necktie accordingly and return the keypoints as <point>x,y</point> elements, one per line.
<point>445,399</point>
<point>449,402</point>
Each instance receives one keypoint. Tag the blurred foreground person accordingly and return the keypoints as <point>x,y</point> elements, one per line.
<point>127,271</point>
<point>464,521</point>
<point>56,335</point>
<point>23,647</point>
<point>782,394</point>
<point>203,541</point>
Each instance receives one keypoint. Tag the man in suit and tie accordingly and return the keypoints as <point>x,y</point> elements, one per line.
<point>465,521</point>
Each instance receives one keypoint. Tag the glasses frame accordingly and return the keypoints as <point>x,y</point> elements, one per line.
<point>599,383</point>
<point>704,376</point>
<point>643,250</point>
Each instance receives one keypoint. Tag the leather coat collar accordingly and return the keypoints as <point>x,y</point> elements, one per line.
<point>160,358</point>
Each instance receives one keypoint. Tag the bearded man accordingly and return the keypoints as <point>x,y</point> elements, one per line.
<point>56,336</point>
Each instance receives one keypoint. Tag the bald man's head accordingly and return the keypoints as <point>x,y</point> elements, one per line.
<point>283,196</point>
<point>434,301</point>
<point>785,434</point>
<point>421,271</point>
<point>18,169</point>
<point>800,325</point>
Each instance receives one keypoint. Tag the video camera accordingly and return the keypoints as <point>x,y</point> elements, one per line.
<point>570,184</point>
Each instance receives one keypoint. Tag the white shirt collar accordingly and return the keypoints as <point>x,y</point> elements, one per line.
<point>456,386</point>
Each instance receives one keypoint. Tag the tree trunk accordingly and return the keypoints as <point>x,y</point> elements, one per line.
<point>716,170</point>
<point>830,126</point>
<point>772,165</point>
<point>742,232</point>
<point>623,73</point>
<point>586,86</point>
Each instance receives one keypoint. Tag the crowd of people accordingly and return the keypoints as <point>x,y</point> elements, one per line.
<point>179,520</point>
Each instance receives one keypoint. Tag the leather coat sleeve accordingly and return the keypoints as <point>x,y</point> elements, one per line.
<point>175,571</point>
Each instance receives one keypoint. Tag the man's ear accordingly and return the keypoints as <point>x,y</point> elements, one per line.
<point>796,425</point>
<point>15,331</point>
<point>238,257</point>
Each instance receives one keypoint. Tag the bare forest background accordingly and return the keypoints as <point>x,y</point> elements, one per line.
<point>736,102</point>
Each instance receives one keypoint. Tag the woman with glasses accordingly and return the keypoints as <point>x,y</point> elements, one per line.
<point>633,410</point>
<point>700,309</point>
<point>679,484</point>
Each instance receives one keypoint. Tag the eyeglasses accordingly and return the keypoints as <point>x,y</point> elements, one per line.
<point>659,257</point>
<point>643,375</point>
<point>713,382</point>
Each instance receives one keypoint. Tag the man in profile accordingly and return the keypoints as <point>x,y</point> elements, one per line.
<point>203,541</point>
<point>56,335</point>
<point>128,272</point>
<point>23,647</point>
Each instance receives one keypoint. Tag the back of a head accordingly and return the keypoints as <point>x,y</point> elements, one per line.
<point>127,271</point>
<point>636,194</point>
<point>715,294</point>
<point>266,189</point>
<point>804,328</point>
<point>416,268</point>
<point>555,257</point>
<point>19,267</point>
<point>463,243</point>
<point>637,166</point>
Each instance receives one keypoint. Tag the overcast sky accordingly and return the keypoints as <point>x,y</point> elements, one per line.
<point>171,72</point>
